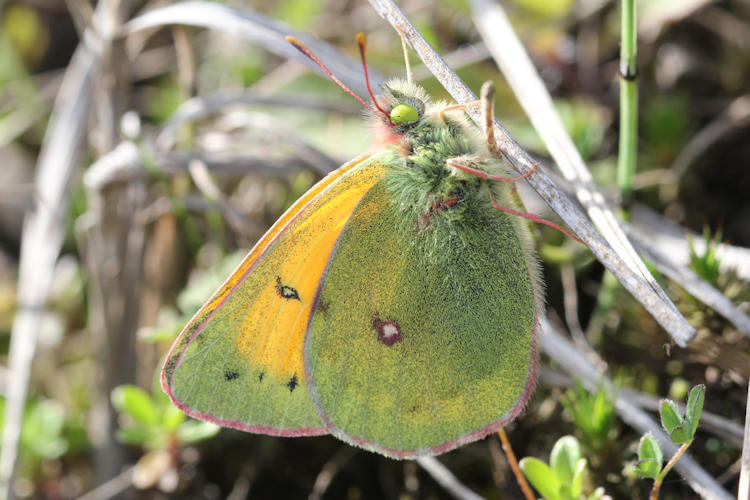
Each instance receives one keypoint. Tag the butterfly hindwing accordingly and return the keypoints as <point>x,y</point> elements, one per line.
<point>239,362</point>
<point>423,338</point>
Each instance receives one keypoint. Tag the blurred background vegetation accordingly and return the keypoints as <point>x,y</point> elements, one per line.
<point>153,230</point>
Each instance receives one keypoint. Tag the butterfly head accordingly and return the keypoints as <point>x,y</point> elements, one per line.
<point>404,103</point>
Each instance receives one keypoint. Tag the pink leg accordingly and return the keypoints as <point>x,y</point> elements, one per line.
<point>485,175</point>
<point>534,218</point>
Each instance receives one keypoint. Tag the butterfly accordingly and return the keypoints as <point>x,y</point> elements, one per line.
<point>394,305</point>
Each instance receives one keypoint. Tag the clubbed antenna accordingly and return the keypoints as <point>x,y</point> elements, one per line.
<point>409,75</point>
<point>362,42</point>
<point>299,45</point>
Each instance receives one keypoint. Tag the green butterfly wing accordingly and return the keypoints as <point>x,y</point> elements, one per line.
<point>239,362</point>
<point>423,338</point>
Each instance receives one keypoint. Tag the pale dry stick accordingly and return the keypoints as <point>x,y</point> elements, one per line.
<point>81,13</point>
<point>690,281</point>
<point>446,479</point>
<point>529,89</point>
<point>329,471</point>
<point>241,486</point>
<point>645,291</point>
<point>743,492</point>
<point>655,17</point>
<point>570,307</point>
<point>43,235</point>
<point>273,131</point>
<point>202,107</point>
<point>111,249</point>
<point>725,24</point>
<point>112,488</point>
<point>126,164</point>
<point>283,74</point>
<point>564,353</point>
<point>206,185</point>
<point>671,238</point>
<point>735,116</point>
<point>186,64</point>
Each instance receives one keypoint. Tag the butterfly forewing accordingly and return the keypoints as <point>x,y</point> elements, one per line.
<point>239,362</point>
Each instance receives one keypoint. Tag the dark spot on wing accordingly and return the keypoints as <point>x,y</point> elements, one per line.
<point>324,306</point>
<point>389,332</point>
<point>231,375</point>
<point>260,376</point>
<point>285,291</point>
<point>293,383</point>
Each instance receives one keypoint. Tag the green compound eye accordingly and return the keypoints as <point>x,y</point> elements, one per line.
<point>403,113</point>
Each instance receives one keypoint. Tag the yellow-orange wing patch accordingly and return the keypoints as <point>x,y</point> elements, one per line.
<point>239,362</point>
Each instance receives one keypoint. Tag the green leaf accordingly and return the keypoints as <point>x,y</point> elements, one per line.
<point>564,458</point>
<point>695,408</point>
<point>172,418</point>
<point>648,468</point>
<point>649,448</point>
<point>193,431</point>
<point>134,435</point>
<point>136,403</point>
<point>650,457</point>
<point>576,486</point>
<point>598,494</point>
<point>540,475</point>
<point>593,413</point>
<point>681,434</point>
<point>565,493</point>
<point>43,425</point>
<point>670,415</point>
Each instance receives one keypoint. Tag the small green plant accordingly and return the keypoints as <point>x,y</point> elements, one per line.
<point>593,414</point>
<point>152,422</point>
<point>707,265</point>
<point>681,430</point>
<point>565,476</point>
<point>43,432</point>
